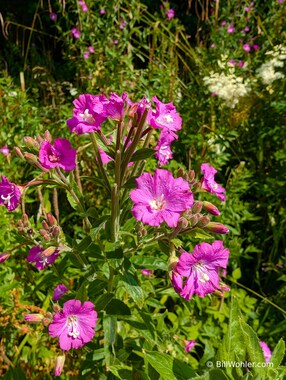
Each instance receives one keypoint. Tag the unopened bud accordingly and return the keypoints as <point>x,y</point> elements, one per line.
<point>51,220</point>
<point>25,220</point>
<point>56,231</point>
<point>48,136</point>
<point>45,225</point>
<point>217,228</point>
<point>47,237</point>
<point>42,232</point>
<point>31,158</point>
<point>49,315</point>
<point>147,272</point>
<point>39,139</point>
<point>34,318</point>
<point>210,208</point>
<point>30,142</point>
<point>19,153</point>
<point>194,220</point>
<point>183,223</point>
<point>56,307</point>
<point>46,322</point>
<point>49,251</point>
<point>172,263</point>
<point>191,175</point>
<point>4,256</point>
<point>180,172</point>
<point>203,222</point>
<point>59,365</point>
<point>197,207</point>
<point>133,110</point>
<point>224,287</point>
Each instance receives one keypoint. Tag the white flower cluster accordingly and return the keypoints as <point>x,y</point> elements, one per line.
<point>268,72</point>
<point>228,87</point>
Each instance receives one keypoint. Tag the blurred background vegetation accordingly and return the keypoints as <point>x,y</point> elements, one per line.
<point>136,48</point>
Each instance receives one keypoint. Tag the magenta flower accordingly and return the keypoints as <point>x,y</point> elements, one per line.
<point>115,42</point>
<point>75,33</point>
<point>91,49</point>
<point>165,116</point>
<point>58,155</point>
<point>255,47</point>
<point>74,325</point>
<point>102,11</point>
<point>5,150</point>
<point>160,198</point>
<point>59,365</point>
<point>147,272</point>
<point>230,29</point>
<point>59,291</point>
<point>114,107</point>
<point>163,147</point>
<point>170,14</point>
<point>123,23</point>
<point>189,345</point>
<point>53,16</point>
<point>9,194</point>
<point>246,47</point>
<point>247,29</point>
<point>208,183</point>
<point>232,62</point>
<point>223,23</point>
<point>88,114</point>
<point>86,55</point>
<point>41,261</point>
<point>240,64</point>
<point>266,351</point>
<point>84,7</point>
<point>201,269</point>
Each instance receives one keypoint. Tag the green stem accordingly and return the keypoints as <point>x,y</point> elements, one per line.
<point>99,162</point>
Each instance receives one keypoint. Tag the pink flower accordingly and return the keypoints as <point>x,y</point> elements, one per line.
<point>213,46</point>
<point>9,194</point>
<point>88,114</point>
<point>240,64</point>
<point>59,291</point>
<point>266,351</point>
<point>165,117</point>
<point>123,23</point>
<point>58,155</point>
<point>280,1</point>
<point>232,62</point>
<point>246,29</point>
<point>246,47</point>
<point>223,23</point>
<point>5,150</point>
<point>160,198</point>
<point>115,42</point>
<point>208,183</point>
<point>230,29</point>
<point>74,325</point>
<point>102,11</point>
<point>84,7</point>
<point>201,269</point>
<point>114,107</point>
<point>170,14</point>
<point>247,9</point>
<point>86,55</point>
<point>255,47</point>
<point>75,33</point>
<point>53,16</point>
<point>36,255</point>
<point>91,49</point>
<point>163,147</point>
<point>189,345</point>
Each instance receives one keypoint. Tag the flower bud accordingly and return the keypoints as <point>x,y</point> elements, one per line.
<point>56,307</point>
<point>191,175</point>
<point>47,237</point>
<point>59,365</point>
<point>172,263</point>
<point>203,222</point>
<point>45,225</point>
<point>194,220</point>
<point>49,315</point>
<point>56,231</point>
<point>34,318</point>
<point>180,172</point>
<point>48,136</point>
<point>197,207</point>
<point>31,158</point>
<point>51,220</point>
<point>133,110</point>
<point>217,228</point>
<point>210,208</point>
<point>19,153</point>
<point>49,251</point>
<point>25,220</point>
<point>39,139</point>
<point>42,232</point>
<point>147,272</point>
<point>30,142</point>
<point>183,223</point>
<point>46,321</point>
<point>4,256</point>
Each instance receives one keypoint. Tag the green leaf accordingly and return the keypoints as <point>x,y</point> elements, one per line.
<point>198,233</point>
<point>278,354</point>
<point>129,282</point>
<point>149,262</point>
<point>122,371</point>
<point>117,307</point>
<point>217,374</point>
<point>102,301</point>
<point>71,200</point>
<point>83,245</point>
<point>142,154</point>
<point>109,328</point>
<point>236,274</point>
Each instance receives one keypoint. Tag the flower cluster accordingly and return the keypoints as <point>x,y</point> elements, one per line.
<point>270,71</point>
